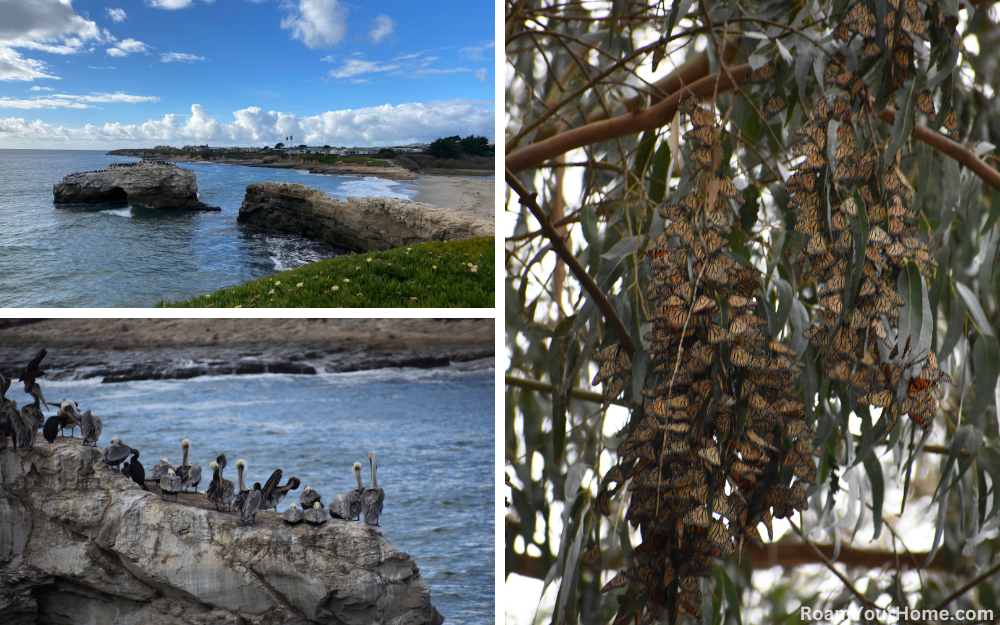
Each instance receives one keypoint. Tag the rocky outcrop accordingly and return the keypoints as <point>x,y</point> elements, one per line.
<point>155,184</point>
<point>360,224</point>
<point>79,543</point>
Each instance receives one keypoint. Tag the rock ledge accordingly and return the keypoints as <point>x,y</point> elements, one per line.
<point>156,184</point>
<point>80,543</point>
<point>360,224</point>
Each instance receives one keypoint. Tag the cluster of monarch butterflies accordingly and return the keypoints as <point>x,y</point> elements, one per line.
<point>722,445</point>
<point>905,22</point>
<point>858,310</point>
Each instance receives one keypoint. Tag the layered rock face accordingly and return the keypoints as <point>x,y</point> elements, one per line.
<point>361,224</point>
<point>155,184</point>
<point>79,543</point>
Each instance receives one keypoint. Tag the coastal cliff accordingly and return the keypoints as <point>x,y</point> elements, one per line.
<point>361,224</point>
<point>151,183</point>
<point>81,543</point>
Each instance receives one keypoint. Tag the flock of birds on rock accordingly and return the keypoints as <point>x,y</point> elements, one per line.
<point>22,426</point>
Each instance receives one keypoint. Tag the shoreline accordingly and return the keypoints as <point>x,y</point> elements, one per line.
<point>122,350</point>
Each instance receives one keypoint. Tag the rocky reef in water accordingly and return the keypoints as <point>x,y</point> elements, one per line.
<point>360,224</point>
<point>156,184</point>
<point>80,543</point>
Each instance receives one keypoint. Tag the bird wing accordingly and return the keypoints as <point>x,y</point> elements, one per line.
<point>37,360</point>
<point>271,485</point>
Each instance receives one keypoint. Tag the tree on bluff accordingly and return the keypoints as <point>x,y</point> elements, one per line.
<point>455,146</point>
<point>753,265</point>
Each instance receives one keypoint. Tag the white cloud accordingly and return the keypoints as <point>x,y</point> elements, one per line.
<point>37,88</point>
<point>170,4</point>
<point>117,15</point>
<point>316,23</point>
<point>61,100</point>
<point>379,125</point>
<point>170,57</point>
<point>126,47</point>
<point>46,25</point>
<point>481,74</point>
<point>477,53</point>
<point>382,27</point>
<point>105,67</point>
<point>355,67</point>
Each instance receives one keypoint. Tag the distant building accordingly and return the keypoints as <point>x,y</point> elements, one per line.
<point>358,151</point>
<point>406,150</point>
<point>164,148</point>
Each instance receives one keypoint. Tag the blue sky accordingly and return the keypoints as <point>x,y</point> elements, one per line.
<point>125,73</point>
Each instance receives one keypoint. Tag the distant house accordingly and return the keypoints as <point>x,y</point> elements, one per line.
<point>358,151</point>
<point>406,150</point>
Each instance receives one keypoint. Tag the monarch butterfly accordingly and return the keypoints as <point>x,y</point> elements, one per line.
<point>728,188</point>
<point>739,356</point>
<point>738,302</point>
<point>822,261</point>
<point>842,32</point>
<point>894,181</point>
<point>805,147</point>
<point>705,304</point>
<point>816,132</point>
<point>847,148</point>
<point>830,73</point>
<point>833,302</point>
<point>861,20</point>
<point>911,243</point>
<point>841,107</point>
<point>701,117</point>
<point>711,455</point>
<point>773,106</point>
<point>714,242</point>
<point>704,133</point>
<point>901,56</point>
<point>688,105</point>
<point>702,156</point>
<point>764,73</point>
<point>879,236</point>
<point>951,123</point>
<point>881,399</point>
<point>877,212</point>
<point>813,162</point>
<point>678,227</point>
<point>866,166</point>
<point>870,51</point>
<point>616,582</point>
<point>835,283</point>
<point>925,103</point>
<point>838,221</point>
<point>804,179</point>
<point>847,171</point>
<point>675,318</point>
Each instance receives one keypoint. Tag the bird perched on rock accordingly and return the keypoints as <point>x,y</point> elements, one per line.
<point>137,472</point>
<point>126,470</point>
<point>309,497</point>
<point>315,515</point>
<point>115,453</point>
<point>246,508</point>
<point>293,515</point>
<point>352,501</point>
<point>31,418</point>
<point>170,484</point>
<point>212,492</point>
<point>68,416</point>
<point>190,474</point>
<point>90,428</point>
<point>273,494</point>
<point>338,508</point>
<point>31,371</point>
<point>160,469</point>
<point>371,500</point>
<point>227,491</point>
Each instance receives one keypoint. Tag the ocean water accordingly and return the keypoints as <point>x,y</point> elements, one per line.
<point>433,431</point>
<point>117,256</point>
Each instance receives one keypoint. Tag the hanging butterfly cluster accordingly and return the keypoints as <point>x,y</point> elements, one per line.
<point>723,436</point>
<point>894,36</point>
<point>856,279</point>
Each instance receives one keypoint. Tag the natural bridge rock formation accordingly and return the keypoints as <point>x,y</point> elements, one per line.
<point>81,543</point>
<point>156,184</point>
<point>360,224</point>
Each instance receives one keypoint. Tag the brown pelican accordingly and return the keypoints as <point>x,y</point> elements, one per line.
<point>137,471</point>
<point>212,492</point>
<point>227,491</point>
<point>273,494</point>
<point>371,501</point>
<point>338,509</point>
<point>239,501</point>
<point>191,474</point>
<point>309,497</point>
<point>170,484</point>
<point>69,416</point>
<point>315,515</point>
<point>160,469</point>
<point>293,515</point>
<point>90,428</point>
<point>115,453</point>
<point>30,419</point>
<point>246,506</point>
<point>352,501</point>
<point>29,373</point>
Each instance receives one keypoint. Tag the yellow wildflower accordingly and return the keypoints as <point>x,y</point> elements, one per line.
<point>299,285</point>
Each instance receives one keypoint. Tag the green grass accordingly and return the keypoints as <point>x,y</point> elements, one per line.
<point>438,274</point>
<point>360,159</point>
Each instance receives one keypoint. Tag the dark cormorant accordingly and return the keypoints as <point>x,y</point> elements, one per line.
<point>138,472</point>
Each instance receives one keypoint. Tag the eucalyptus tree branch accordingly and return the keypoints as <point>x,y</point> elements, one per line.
<point>968,586</point>
<point>865,600</point>
<point>644,119</point>
<point>559,246</point>
<point>957,151</point>
<point>545,387</point>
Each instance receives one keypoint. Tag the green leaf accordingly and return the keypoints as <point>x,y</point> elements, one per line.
<point>994,211</point>
<point>644,152</point>
<point>750,208</point>
<point>986,366</point>
<point>874,469</point>
<point>911,315</point>
<point>956,327</point>
<point>729,588</point>
<point>661,169</point>
<point>978,316</point>
<point>903,125</point>
<point>785,297</point>
<point>860,242</point>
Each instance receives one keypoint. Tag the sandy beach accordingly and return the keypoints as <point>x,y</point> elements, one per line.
<point>474,196</point>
